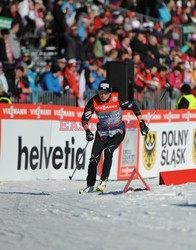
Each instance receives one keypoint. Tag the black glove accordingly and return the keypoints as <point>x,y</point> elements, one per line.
<point>89,135</point>
<point>143,128</point>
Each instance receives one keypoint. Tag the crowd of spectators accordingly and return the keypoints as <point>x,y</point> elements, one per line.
<point>88,35</point>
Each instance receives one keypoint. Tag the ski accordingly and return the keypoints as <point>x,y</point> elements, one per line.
<point>81,191</point>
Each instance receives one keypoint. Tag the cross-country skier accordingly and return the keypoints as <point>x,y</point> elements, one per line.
<point>110,131</point>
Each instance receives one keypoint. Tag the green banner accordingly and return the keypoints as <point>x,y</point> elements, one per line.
<point>5,22</point>
<point>188,29</point>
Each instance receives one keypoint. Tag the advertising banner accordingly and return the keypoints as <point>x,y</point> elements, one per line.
<point>128,157</point>
<point>128,154</point>
<point>170,144</point>
<point>47,141</point>
<point>25,149</point>
<point>44,142</point>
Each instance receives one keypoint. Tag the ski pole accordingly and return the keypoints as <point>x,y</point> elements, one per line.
<point>158,104</point>
<point>71,176</point>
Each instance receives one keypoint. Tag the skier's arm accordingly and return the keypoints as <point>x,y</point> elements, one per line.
<point>88,111</point>
<point>132,106</point>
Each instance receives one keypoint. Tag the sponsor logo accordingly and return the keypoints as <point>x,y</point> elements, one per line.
<point>150,116</point>
<point>171,116</point>
<point>105,107</point>
<point>128,117</point>
<point>149,150</point>
<point>88,114</point>
<point>104,85</point>
<point>71,126</point>
<point>43,156</point>
<point>38,112</point>
<point>194,147</point>
<point>174,145</point>
<point>188,116</point>
<point>114,98</point>
<point>126,170</point>
<point>61,113</point>
<point>14,111</point>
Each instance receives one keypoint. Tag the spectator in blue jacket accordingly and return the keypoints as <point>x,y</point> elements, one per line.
<point>51,79</point>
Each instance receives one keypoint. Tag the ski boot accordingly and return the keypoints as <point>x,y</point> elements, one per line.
<point>102,185</point>
<point>88,189</point>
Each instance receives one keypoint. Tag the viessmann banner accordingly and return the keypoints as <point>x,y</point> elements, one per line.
<point>46,142</point>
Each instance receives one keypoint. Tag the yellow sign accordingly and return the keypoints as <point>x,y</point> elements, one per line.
<point>149,150</point>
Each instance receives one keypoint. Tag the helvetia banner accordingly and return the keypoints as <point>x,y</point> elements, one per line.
<point>44,142</point>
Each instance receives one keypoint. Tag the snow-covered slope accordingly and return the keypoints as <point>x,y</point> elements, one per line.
<point>53,215</point>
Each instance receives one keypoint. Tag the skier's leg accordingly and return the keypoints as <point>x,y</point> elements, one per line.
<point>108,154</point>
<point>98,146</point>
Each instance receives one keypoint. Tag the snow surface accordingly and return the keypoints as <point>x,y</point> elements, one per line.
<point>38,215</point>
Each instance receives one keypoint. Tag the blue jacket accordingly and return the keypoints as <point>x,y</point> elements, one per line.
<point>51,83</point>
<point>98,78</point>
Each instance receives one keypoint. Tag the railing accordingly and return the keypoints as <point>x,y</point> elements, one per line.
<point>150,99</point>
<point>47,97</point>
<point>146,100</point>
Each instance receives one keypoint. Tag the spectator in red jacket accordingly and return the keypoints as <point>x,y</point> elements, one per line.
<point>72,77</point>
<point>141,79</point>
<point>161,76</point>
